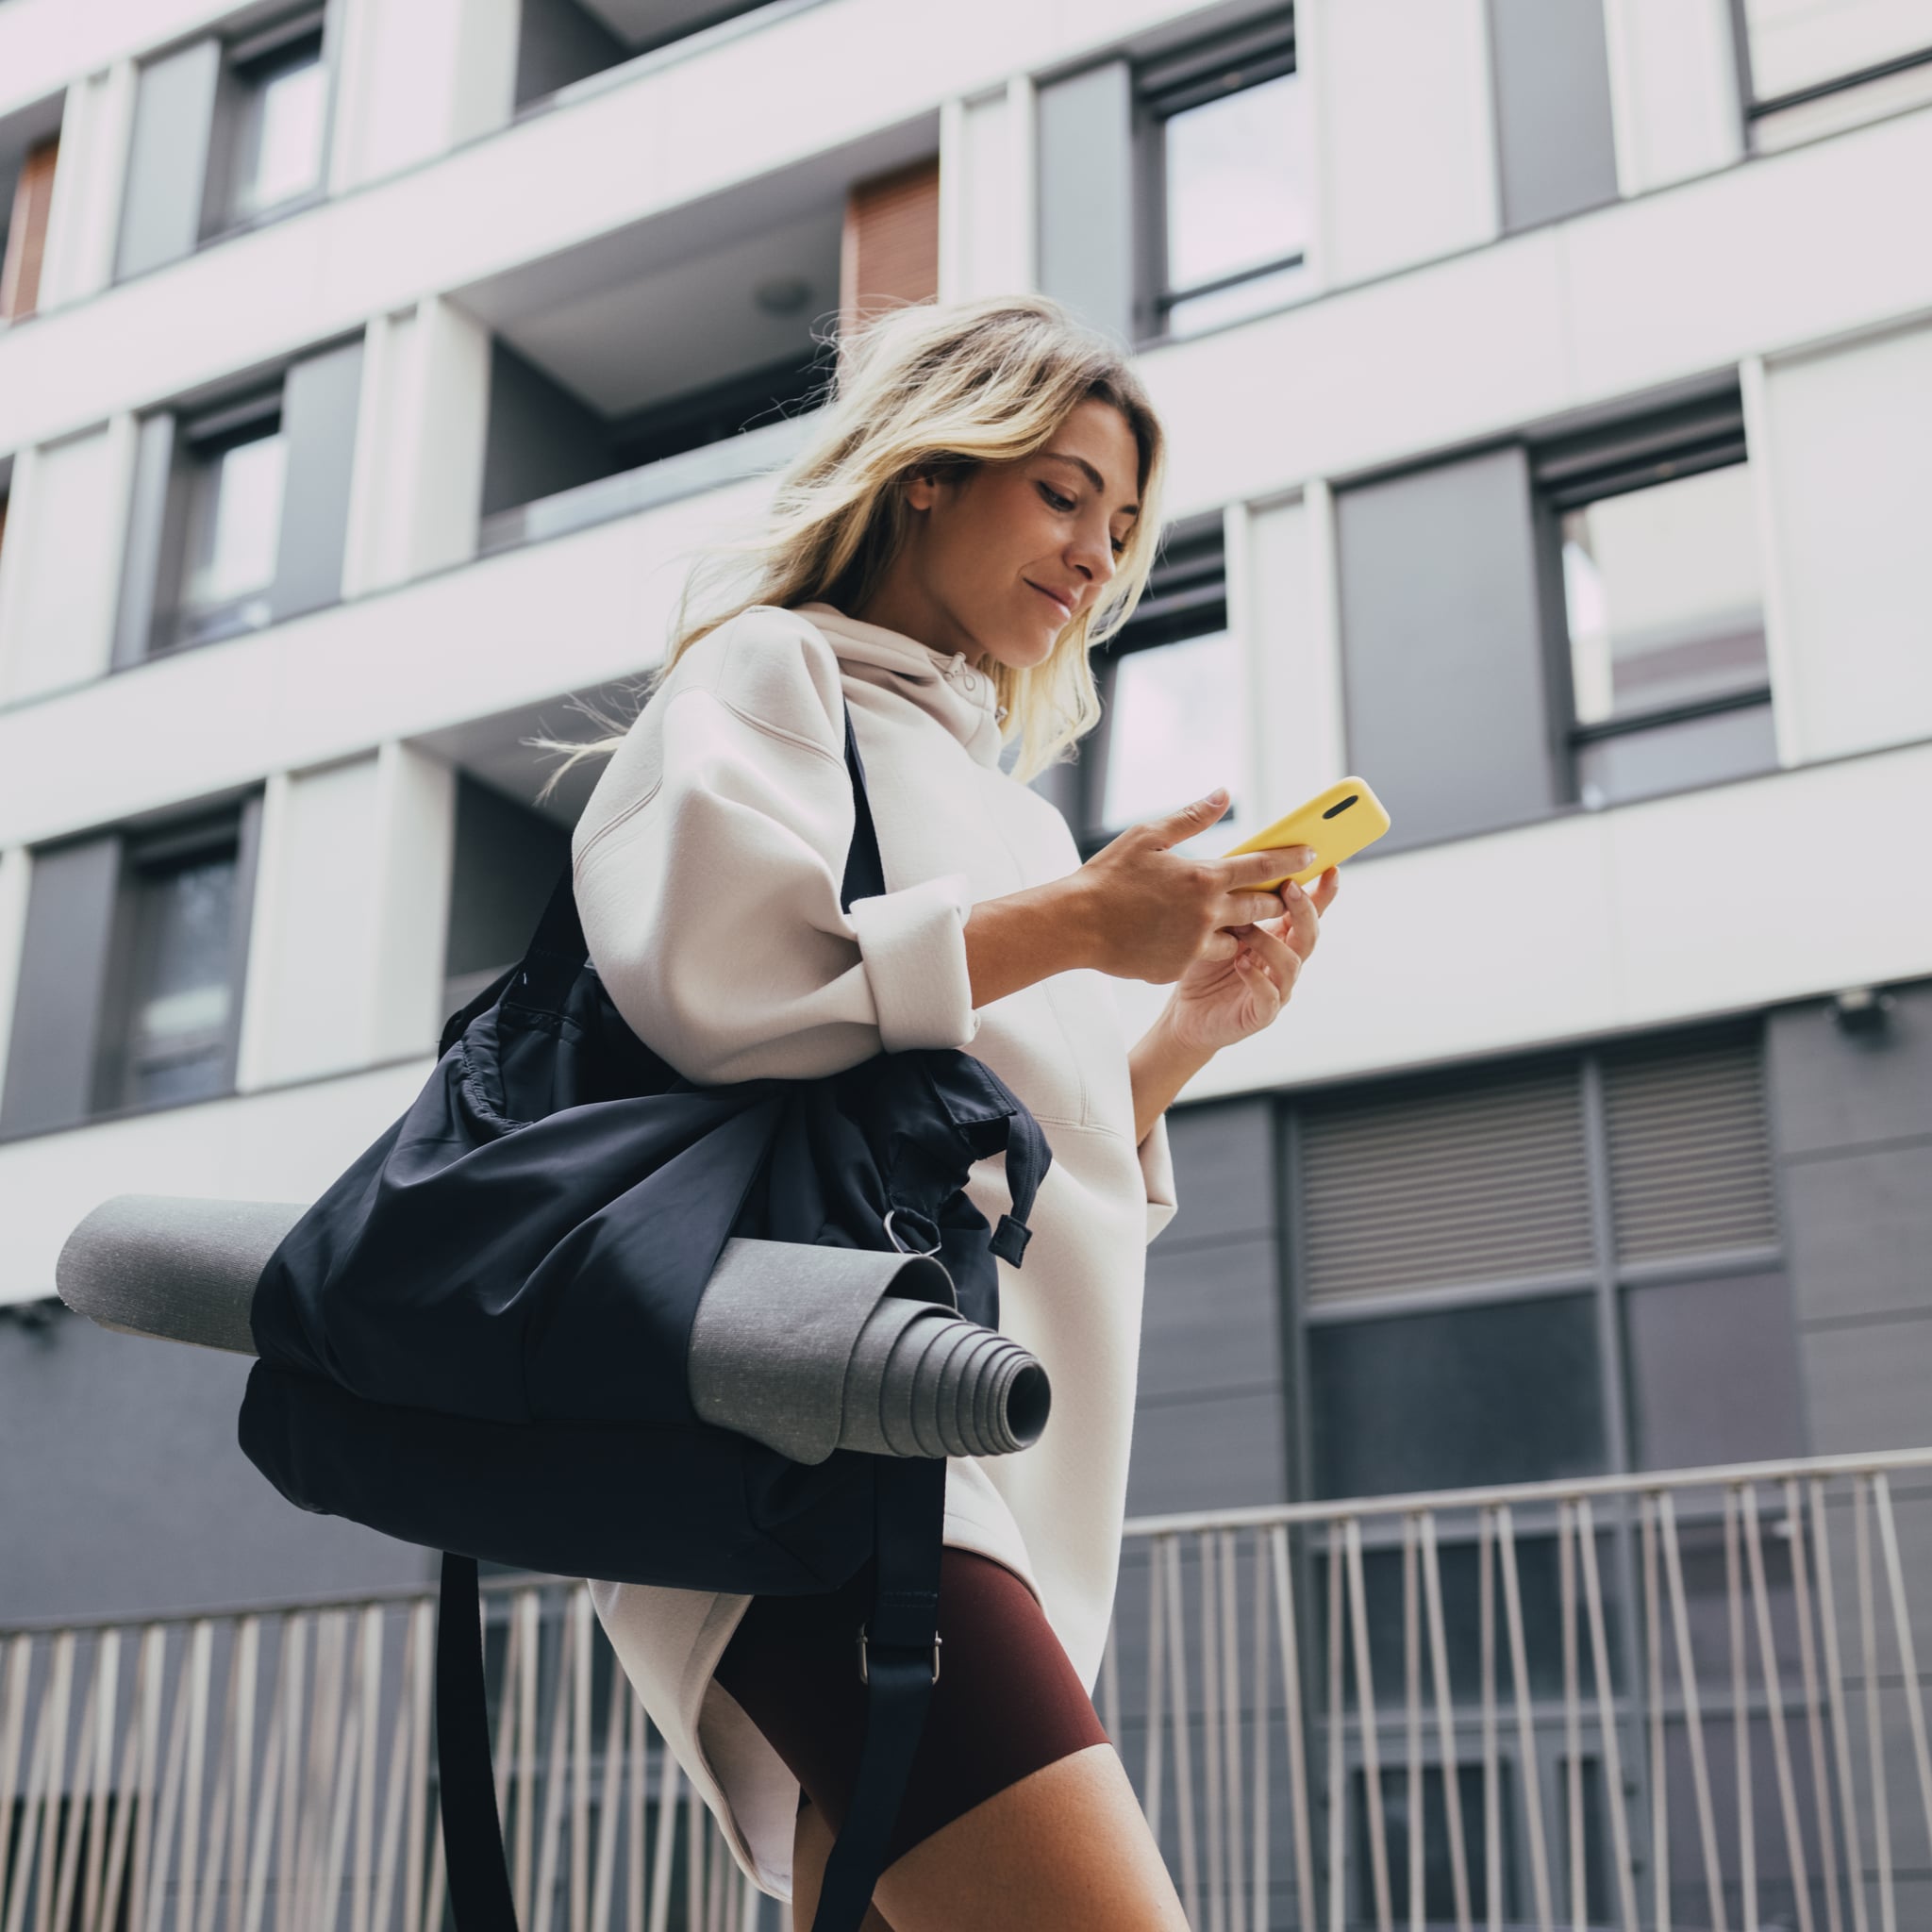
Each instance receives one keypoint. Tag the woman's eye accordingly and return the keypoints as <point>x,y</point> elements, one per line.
<point>1056,499</point>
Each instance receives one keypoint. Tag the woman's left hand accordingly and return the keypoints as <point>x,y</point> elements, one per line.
<point>1219,1001</point>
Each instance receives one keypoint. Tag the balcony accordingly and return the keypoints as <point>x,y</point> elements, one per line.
<point>1687,1698</point>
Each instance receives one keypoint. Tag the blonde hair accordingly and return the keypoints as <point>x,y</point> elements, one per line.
<point>929,388</point>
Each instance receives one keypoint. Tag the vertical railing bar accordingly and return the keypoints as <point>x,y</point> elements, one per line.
<point>636,1804</point>
<point>1211,1725</point>
<point>1231,1734</point>
<point>1908,1650</point>
<point>1868,1633</point>
<point>1607,1715</point>
<point>1775,1701</point>
<point>63,1888</point>
<point>1835,1704</point>
<point>395,1791</point>
<point>1741,1714</point>
<point>1183,1747</point>
<point>1289,1640</point>
<point>438,1870</point>
<point>422,1651</point>
<point>1654,1687</point>
<point>1808,1665</point>
<point>578,1608</point>
<point>199,1907</point>
<point>717,1883</point>
<point>289,1825</point>
<point>697,1874</point>
<point>1694,1715</point>
<point>1365,1703</point>
<point>13,1683</point>
<point>662,1852</point>
<point>1110,1684</point>
<point>527,1634</point>
<point>24,1857</point>
<point>1486,1637</point>
<point>318,1783</point>
<point>1573,1720</point>
<point>64,1647</point>
<point>610,1817</point>
<point>1338,1788</point>
<point>263,1833</point>
<point>509,1715</point>
<point>1526,1722</point>
<point>365,1877</point>
<point>248,1636</point>
<point>1263,1832</point>
<point>124,1806</point>
<point>108,1676</point>
<point>139,1880</point>
<point>336,1796</point>
<point>1412,1713</point>
<point>1154,1767</point>
<point>1445,1719</point>
<point>170,1800</point>
<point>555,1772</point>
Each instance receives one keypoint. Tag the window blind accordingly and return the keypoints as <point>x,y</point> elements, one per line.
<point>1425,1189</point>
<point>26,233</point>
<point>890,247</point>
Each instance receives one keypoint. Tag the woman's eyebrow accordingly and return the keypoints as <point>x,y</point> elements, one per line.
<point>1094,475</point>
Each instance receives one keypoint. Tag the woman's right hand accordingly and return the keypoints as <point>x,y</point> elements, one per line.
<point>1147,912</point>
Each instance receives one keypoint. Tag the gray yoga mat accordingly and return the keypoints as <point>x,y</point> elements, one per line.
<point>803,1349</point>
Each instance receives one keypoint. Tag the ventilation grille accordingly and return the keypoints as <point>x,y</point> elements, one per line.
<point>1689,1155</point>
<point>1484,1185</point>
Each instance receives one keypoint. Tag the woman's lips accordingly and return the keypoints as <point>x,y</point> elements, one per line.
<point>1065,609</point>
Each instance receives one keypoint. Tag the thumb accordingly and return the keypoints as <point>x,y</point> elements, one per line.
<point>1183,825</point>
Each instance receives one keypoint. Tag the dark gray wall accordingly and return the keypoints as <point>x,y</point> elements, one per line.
<point>1447,702</point>
<point>319,401</point>
<point>1086,174</point>
<point>558,42</point>
<point>122,1491</point>
<point>508,857</point>
<point>541,438</point>
<point>1210,1425</point>
<point>1852,1135</point>
<point>1555,150</point>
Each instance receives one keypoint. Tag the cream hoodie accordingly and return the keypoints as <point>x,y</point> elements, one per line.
<point>707,865</point>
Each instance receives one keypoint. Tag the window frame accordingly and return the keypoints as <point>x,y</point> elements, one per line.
<point>1168,84</point>
<point>247,61</point>
<point>1190,581</point>
<point>1753,109</point>
<point>1573,471</point>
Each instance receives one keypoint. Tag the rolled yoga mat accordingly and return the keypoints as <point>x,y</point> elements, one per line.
<point>803,1349</point>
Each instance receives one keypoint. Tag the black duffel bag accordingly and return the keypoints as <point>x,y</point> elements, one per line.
<point>476,1340</point>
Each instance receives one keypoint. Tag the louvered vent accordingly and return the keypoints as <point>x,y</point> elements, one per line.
<point>1485,1184</point>
<point>1689,1154</point>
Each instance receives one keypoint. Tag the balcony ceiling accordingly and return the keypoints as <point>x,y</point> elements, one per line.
<point>650,22</point>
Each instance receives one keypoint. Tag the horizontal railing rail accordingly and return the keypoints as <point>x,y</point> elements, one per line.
<point>1684,1698</point>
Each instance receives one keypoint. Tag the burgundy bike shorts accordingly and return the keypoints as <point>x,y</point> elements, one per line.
<point>1006,1702</point>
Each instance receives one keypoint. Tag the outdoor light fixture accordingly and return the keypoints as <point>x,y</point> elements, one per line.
<point>1862,1009</point>
<point>782,294</point>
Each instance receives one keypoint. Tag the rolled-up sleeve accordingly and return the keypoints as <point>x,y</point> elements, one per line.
<point>707,869</point>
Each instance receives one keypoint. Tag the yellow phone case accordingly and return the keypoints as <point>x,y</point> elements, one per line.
<point>1338,822</point>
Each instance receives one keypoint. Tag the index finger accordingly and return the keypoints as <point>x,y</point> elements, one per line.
<point>1277,862</point>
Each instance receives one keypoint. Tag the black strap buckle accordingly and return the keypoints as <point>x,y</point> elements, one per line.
<point>865,1676</point>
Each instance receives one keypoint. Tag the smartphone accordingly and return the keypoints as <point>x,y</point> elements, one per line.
<point>1338,822</point>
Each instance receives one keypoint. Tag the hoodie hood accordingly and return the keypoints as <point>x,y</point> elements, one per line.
<point>941,683</point>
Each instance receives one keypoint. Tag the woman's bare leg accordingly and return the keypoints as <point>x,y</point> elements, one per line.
<point>1066,1847</point>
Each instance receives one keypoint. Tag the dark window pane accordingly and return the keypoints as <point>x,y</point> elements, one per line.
<point>1505,1394</point>
<point>179,1016</point>
<point>1667,758</point>
<point>1713,1372</point>
<point>1438,1884</point>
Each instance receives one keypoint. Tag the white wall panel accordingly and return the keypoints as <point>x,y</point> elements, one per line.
<point>1408,158</point>
<point>46,43</point>
<point>1850,457</point>
<point>1800,43</point>
<point>85,219</point>
<point>986,191</point>
<point>1673,90</point>
<point>282,1145</point>
<point>409,887</point>
<point>61,569</point>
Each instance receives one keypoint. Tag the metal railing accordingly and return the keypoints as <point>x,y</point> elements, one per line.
<point>1679,1699</point>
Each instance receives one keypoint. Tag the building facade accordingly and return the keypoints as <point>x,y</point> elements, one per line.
<point>1549,392</point>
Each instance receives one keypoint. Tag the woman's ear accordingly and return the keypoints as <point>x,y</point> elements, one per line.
<point>922,489</point>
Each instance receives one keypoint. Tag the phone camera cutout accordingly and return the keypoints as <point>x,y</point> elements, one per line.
<point>1335,810</point>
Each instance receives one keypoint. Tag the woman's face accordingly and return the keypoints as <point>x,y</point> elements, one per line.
<point>999,561</point>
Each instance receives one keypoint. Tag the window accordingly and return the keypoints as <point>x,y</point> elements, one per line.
<point>26,195</point>
<point>1170,714</point>
<point>1226,170</point>
<point>270,124</point>
<point>132,968</point>
<point>1661,600</point>
<point>1543,1271</point>
<point>240,509</point>
<point>1808,69</point>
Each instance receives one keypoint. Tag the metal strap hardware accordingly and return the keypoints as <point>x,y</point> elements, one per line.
<point>893,1236</point>
<point>865,1676</point>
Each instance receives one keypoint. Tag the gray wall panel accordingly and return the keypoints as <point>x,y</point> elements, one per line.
<point>144,554</point>
<point>541,438</point>
<point>1212,1319</point>
<point>319,397</point>
<point>1834,1091</point>
<point>558,42</point>
<point>508,857</point>
<point>1555,152</point>
<point>1208,1454</point>
<point>1861,1232</point>
<point>167,158</point>
<point>161,1512</point>
<point>1223,1175</point>
<point>61,994</point>
<point>1444,671</point>
<point>1085,234</point>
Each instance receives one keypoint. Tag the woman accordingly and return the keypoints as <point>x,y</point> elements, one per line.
<point>979,505</point>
